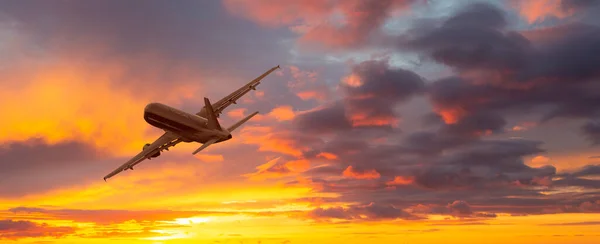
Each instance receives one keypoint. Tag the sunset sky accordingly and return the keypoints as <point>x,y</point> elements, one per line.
<point>390,121</point>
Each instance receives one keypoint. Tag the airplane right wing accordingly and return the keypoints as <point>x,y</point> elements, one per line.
<point>220,105</point>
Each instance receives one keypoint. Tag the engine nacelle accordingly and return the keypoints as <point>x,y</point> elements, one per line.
<point>153,155</point>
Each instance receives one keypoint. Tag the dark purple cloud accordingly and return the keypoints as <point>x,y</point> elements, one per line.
<point>592,131</point>
<point>326,119</point>
<point>370,94</point>
<point>32,165</point>
<point>371,212</point>
<point>35,155</point>
<point>502,73</point>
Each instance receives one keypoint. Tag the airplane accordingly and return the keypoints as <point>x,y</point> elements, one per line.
<point>180,126</point>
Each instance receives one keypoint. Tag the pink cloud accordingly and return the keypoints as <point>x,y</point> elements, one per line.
<point>333,24</point>
<point>538,10</point>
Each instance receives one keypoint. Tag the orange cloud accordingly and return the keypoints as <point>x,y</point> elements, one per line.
<point>210,158</point>
<point>524,126</point>
<point>367,174</point>
<point>539,161</point>
<point>352,80</point>
<point>267,140</point>
<point>451,115</point>
<point>366,120</point>
<point>538,10</point>
<point>66,101</point>
<point>268,170</point>
<point>237,113</point>
<point>327,155</point>
<point>518,128</point>
<point>400,180</point>
<point>298,165</point>
<point>307,95</point>
<point>282,113</point>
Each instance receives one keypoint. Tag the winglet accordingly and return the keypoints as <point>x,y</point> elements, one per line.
<point>213,123</point>
<point>236,125</point>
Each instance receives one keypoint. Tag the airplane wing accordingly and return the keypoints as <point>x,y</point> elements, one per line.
<point>165,141</point>
<point>220,105</point>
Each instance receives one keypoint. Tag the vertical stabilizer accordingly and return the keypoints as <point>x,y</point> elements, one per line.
<point>213,123</point>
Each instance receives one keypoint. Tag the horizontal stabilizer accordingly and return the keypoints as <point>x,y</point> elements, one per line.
<point>236,125</point>
<point>205,145</point>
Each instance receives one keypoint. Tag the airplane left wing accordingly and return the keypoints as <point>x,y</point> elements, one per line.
<point>165,141</point>
<point>220,105</point>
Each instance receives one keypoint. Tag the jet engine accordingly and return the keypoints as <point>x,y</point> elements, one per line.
<point>153,155</point>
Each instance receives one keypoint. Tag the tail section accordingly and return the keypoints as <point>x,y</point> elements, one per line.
<point>236,125</point>
<point>213,123</point>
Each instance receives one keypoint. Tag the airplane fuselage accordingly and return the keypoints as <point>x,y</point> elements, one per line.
<point>191,127</point>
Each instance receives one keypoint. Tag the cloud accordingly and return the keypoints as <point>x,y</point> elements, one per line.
<point>539,10</point>
<point>237,113</point>
<point>458,208</point>
<point>497,74</point>
<point>107,216</point>
<point>318,21</point>
<point>592,131</point>
<point>315,94</point>
<point>282,113</point>
<point>500,72</point>
<point>327,155</point>
<point>325,119</point>
<point>30,166</point>
<point>356,174</point>
<point>400,180</point>
<point>35,155</point>
<point>210,158</point>
<point>271,140</point>
<point>368,103</point>
<point>17,229</point>
<point>573,223</point>
<point>308,84</point>
<point>367,212</point>
<point>375,89</point>
<point>271,169</point>
<point>587,170</point>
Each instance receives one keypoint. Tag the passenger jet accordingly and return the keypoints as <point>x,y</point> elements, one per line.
<point>179,126</point>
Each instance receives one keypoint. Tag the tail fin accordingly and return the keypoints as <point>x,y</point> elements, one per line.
<point>236,125</point>
<point>213,123</point>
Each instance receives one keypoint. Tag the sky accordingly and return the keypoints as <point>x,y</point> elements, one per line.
<point>390,121</point>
